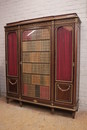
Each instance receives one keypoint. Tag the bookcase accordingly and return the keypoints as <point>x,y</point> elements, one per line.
<point>43,61</point>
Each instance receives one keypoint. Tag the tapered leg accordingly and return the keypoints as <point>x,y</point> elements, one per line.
<point>77,110</point>
<point>20,102</point>
<point>73,115</point>
<point>7,99</point>
<point>52,110</point>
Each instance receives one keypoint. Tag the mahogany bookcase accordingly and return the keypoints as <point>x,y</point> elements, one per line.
<point>43,61</point>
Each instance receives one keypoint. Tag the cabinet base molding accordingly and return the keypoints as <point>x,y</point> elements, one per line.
<point>9,99</point>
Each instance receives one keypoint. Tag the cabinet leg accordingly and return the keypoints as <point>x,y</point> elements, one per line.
<point>73,115</point>
<point>20,103</point>
<point>77,110</point>
<point>7,99</point>
<point>52,110</point>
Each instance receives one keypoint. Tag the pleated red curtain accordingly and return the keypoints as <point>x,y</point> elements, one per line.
<point>12,54</point>
<point>64,54</point>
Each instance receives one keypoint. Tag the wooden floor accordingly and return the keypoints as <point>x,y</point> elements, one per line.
<point>32,117</point>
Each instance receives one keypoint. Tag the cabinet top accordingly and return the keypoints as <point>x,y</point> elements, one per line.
<point>44,19</point>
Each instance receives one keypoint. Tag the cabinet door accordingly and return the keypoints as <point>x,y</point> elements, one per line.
<point>35,56</point>
<point>64,63</point>
<point>12,62</point>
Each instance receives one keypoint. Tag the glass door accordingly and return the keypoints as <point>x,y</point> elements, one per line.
<point>64,64</point>
<point>35,57</point>
<point>12,62</point>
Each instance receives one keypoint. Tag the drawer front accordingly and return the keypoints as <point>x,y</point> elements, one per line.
<point>12,85</point>
<point>63,93</point>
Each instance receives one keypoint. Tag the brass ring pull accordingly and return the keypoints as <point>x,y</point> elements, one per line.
<point>12,82</point>
<point>63,90</point>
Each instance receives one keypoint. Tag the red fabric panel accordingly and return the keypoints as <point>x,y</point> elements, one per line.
<point>25,89</point>
<point>64,54</point>
<point>44,92</point>
<point>12,54</point>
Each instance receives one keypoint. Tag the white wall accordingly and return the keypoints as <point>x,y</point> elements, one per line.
<point>15,10</point>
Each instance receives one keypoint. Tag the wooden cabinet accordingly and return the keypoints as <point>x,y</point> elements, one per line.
<point>42,61</point>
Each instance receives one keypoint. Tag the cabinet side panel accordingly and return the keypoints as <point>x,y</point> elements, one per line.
<point>78,61</point>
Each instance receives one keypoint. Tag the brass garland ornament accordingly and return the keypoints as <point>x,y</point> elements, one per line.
<point>12,82</point>
<point>63,90</point>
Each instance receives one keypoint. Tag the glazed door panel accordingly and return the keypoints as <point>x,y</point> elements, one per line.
<point>12,54</point>
<point>64,54</point>
<point>36,62</point>
<point>64,63</point>
<point>12,62</point>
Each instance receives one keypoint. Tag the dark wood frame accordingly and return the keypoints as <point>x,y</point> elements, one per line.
<point>53,22</point>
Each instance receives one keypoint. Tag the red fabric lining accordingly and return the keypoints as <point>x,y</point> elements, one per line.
<point>12,54</point>
<point>64,54</point>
